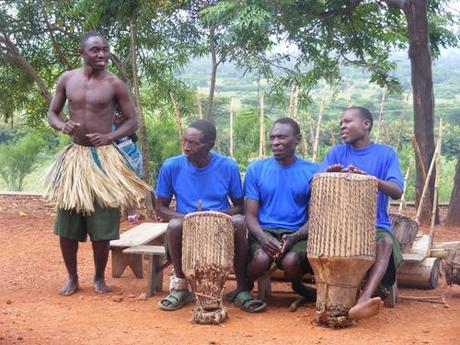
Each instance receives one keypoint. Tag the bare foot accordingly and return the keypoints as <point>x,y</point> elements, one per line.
<point>70,287</point>
<point>101,287</point>
<point>366,309</point>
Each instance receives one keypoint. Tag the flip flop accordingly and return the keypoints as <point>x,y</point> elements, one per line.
<point>177,299</point>
<point>246,301</point>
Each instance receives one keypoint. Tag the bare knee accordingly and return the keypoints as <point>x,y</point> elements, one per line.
<point>174,228</point>
<point>239,225</point>
<point>291,266</point>
<point>261,260</point>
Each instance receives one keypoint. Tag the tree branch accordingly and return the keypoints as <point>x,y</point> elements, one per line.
<point>396,3</point>
<point>347,10</point>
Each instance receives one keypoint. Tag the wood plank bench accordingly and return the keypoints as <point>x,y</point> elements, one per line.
<point>142,234</point>
<point>157,256</point>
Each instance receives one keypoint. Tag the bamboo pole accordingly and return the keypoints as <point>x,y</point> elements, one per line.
<point>198,105</point>
<point>349,91</point>
<point>403,196</point>
<point>318,128</point>
<point>261,126</point>
<point>428,176</point>
<point>436,183</point>
<point>381,114</point>
<point>402,118</point>
<point>291,101</point>
<point>230,130</point>
<point>178,117</point>
<point>295,103</point>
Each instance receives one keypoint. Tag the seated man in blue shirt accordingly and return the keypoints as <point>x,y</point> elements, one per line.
<point>359,155</point>
<point>277,191</point>
<point>200,176</point>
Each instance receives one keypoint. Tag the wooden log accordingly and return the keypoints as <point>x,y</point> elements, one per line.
<point>423,275</point>
<point>379,124</point>
<point>318,128</point>
<point>453,266</point>
<point>230,130</point>
<point>406,178</point>
<point>405,230</point>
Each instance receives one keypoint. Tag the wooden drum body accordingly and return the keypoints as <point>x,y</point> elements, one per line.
<point>341,241</point>
<point>207,259</point>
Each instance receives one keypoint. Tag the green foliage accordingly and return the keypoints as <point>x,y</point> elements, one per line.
<point>19,159</point>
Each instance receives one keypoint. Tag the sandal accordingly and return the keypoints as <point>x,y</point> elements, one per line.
<point>177,299</point>
<point>246,301</point>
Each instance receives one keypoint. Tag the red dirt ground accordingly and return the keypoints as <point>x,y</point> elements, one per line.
<point>31,311</point>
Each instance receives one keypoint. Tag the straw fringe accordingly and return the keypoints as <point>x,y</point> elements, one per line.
<point>75,180</point>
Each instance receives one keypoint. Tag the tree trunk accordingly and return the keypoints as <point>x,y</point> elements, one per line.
<point>453,214</point>
<point>14,54</point>
<point>140,116</point>
<point>423,99</point>
<point>214,65</point>
<point>230,130</point>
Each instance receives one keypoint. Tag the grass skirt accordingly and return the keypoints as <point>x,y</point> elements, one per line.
<point>82,175</point>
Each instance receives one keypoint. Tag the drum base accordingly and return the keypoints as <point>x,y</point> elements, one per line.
<point>337,281</point>
<point>209,317</point>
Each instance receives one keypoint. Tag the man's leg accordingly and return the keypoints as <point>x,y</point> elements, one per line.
<point>177,297</point>
<point>366,306</point>
<point>259,264</point>
<point>101,255</point>
<point>69,250</point>
<point>241,253</point>
<point>293,271</point>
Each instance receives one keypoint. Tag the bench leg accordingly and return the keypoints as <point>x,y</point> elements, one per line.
<point>264,286</point>
<point>120,261</point>
<point>155,279</point>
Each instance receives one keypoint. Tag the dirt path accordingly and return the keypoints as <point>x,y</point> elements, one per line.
<point>31,312</point>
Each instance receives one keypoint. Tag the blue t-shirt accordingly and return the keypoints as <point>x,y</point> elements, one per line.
<point>377,160</point>
<point>283,192</point>
<point>213,184</point>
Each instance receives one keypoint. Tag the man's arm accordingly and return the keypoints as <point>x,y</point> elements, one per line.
<point>291,239</point>
<point>237,208</point>
<point>127,109</point>
<point>163,211</point>
<point>55,109</point>
<point>268,243</point>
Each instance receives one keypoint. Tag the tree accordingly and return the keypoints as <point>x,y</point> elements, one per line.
<point>453,214</point>
<point>19,159</point>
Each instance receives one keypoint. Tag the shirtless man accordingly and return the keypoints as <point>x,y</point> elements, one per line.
<point>92,94</point>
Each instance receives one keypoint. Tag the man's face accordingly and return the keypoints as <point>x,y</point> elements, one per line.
<point>353,127</point>
<point>194,145</point>
<point>96,53</point>
<point>283,141</point>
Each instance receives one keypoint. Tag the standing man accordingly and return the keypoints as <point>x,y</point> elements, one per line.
<point>277,191</point>
<point>359,155</point>
<point>202,177</point>
<point>89,180</point>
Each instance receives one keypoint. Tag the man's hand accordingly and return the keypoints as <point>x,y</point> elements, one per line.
<point>354,170</point>
<point>334,168</point>
<point>270,246</point>
<point>288,242</point>
<point>98,139</point>
<point>70,127</point>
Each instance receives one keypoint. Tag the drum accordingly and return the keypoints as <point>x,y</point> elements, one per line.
<point>207,259</point>
<point>341,241</point>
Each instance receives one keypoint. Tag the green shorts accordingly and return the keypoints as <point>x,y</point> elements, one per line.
<point>101,225</point>
<point>395,259</point>
<point>299,248</point>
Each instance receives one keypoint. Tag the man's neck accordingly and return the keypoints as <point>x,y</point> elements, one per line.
<point>361,143</point>
<point>90,72</point>
<point>200,162</point>
<point>287,161</point>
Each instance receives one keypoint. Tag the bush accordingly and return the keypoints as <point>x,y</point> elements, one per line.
<point>19,159</point>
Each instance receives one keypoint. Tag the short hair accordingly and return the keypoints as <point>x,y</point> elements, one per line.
<point>364,113</point>
<point>87,36</point>
<point>288,121</point>
<point>206,127</point>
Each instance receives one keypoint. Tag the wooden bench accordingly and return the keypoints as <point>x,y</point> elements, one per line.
<point>142,234</point>
<point>156,255</point>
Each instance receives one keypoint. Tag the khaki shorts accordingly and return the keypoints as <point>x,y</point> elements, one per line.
<point>101,225</point>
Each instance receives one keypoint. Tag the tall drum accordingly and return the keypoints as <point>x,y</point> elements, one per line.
<point>341,241</point>
<point>207,259</point>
